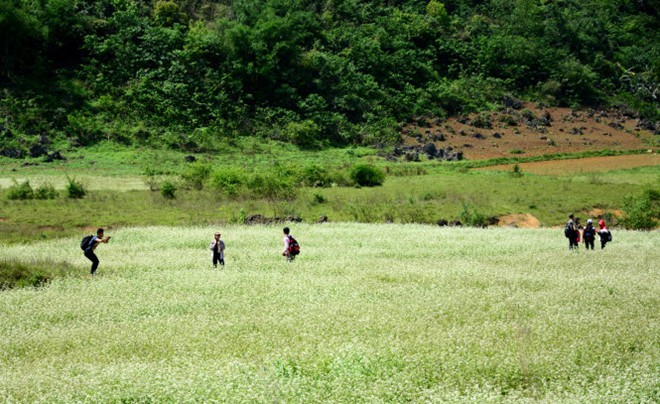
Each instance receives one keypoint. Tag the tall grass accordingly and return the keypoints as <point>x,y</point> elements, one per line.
<point>378,313</point>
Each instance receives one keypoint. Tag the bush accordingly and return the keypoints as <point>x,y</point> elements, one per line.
<point>642,212</point>
<point>367,175</point>
<point>22,191</point>
<point>470,217</point>
<point>168,190</point>
<point>516,171</point>
<point>228,181</point>
<point>16,274</point>
<point>272,186</point>
<point>45,191</point>
<point>314,176</point>
<point>151,180</point>
<point>196,175</point>
<point>74,189</point>
<point>318,199</point>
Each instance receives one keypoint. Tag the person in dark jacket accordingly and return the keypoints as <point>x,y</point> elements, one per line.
<point>217,248</point>
<point>603,233</point>
<point>571,232</point>
<point>93,243</point>
<point>589,234</point>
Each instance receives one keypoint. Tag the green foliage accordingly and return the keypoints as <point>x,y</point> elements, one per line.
<point>17,273</point>
<point>45,191</point>
<point>228,181</point>
<point>516,171</point>
<point>318,199</point>
<point>470,216</point>
<point>273,185</point>
<point>168,190</point>
<point>367,175</point>
<point>20,191</point>
<point>191,75</point>
<point>642,212</point>
<point>196,175</point>
<point>74,188</point>
<point>314,175</point>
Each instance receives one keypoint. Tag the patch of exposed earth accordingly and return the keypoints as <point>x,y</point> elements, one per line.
<point>527,129</point>
<point>583,165</point>
<point>520,220</point>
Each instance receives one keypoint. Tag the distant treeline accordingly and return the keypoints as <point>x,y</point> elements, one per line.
<point>193,74</point>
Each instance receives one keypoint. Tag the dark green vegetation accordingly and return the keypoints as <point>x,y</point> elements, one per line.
<point>195,75</point>
<point>30,273</point>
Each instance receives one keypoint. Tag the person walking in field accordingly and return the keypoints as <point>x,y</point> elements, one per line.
<point>291,246</point>
<point>571,232</point>
<point>91,242</point>
<point>589,234</point>
<point>217,248</point>
<point>603,233</point>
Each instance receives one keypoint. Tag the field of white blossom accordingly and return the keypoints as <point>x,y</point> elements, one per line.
<point>367,313</point>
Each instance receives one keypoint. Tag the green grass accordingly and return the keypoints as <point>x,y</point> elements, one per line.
<point>376,313</point>
<point>412,192</point>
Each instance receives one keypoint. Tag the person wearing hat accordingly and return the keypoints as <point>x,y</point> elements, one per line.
<point>589,234</point>
<point>217,248</point>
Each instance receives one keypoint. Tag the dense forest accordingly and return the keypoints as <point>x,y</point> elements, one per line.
<point>193,74</point>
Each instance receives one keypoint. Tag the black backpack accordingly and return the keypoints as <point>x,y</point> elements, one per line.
<point>568,230</point>
<point>589,233</point>
<point>294,247</point>
<point>84,244</point>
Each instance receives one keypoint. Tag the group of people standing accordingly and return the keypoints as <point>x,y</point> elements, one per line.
<point>588,233</point>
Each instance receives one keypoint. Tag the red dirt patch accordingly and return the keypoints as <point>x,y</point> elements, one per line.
<point>529,132</point>
<point>520,220</point>
<point>584,165</point>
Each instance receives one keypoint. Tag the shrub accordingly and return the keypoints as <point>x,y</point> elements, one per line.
<point>318,199</point>
<point>367,175</point>
<point>471,217</point>
<point>45,191</point>
<point>272,186</point>
<point>228,181</point>
<point>314,176</point>
<point>74,189</point>
<point>151,180</point>
<point>15,274</point>
<point>482,121</point>
<point>168,190</point>
<point>20,191</point>
<point>196,175</point>
<point>643,211</point>
<point>516,171</point>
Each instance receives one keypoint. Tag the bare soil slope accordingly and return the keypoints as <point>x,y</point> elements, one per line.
<point>530,130</point>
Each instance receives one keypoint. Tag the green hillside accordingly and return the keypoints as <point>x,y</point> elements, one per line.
<point>195,74</point>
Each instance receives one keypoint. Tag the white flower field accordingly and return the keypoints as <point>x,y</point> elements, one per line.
<point>366,313</point>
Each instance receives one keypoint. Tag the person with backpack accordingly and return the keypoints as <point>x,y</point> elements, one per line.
<point>604,234</point>
<point>89,244</point>
<point>291,246</point>
<point>571,232</point>
<point>589,234</point>
<point>217,248</point>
